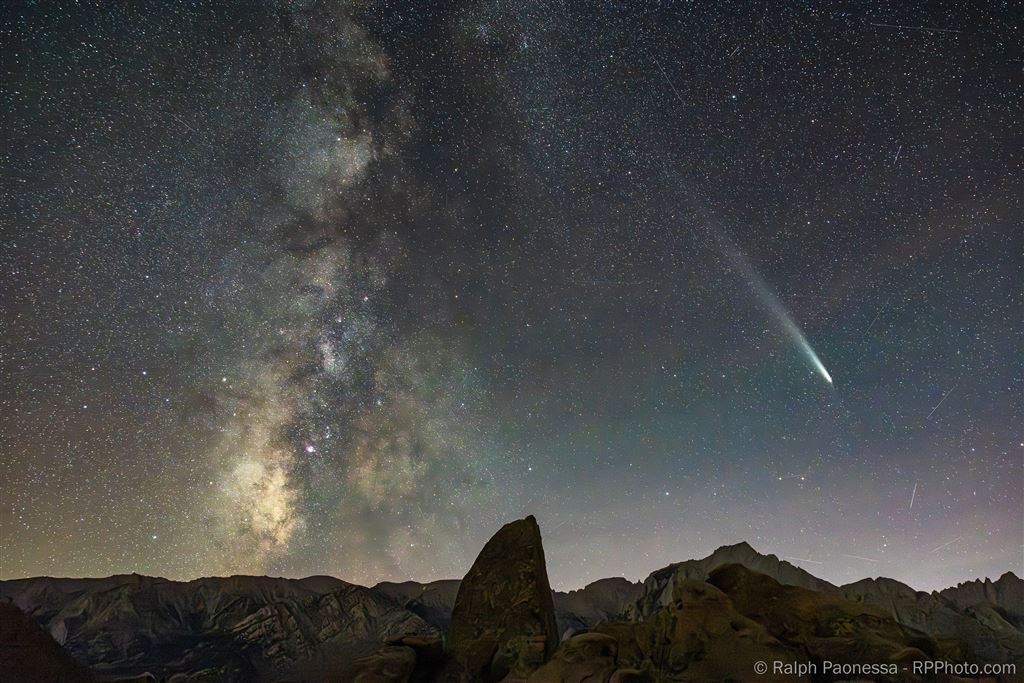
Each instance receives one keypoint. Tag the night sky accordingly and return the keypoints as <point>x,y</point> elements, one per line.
<point>303,288</point>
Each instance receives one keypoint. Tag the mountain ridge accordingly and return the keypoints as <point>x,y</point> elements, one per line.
<point>243,627</point>
<point>1007,575</point>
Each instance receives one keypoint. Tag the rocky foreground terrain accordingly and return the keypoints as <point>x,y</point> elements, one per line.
<point>701,620</point>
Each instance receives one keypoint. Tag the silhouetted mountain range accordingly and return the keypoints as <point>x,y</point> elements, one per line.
<point>700,620</point>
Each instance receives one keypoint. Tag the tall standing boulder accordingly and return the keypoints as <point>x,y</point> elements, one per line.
<point>503,623</point>
<point>29,654</point>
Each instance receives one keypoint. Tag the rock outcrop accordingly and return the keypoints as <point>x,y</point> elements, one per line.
<point>976,630</point>
<point>389,664</point>
<point>825,626</point>
<point>583,657</point>
<point>699,636</point>
<point>1005,596</point>
<point>28,654</point>
<point>407,659</point>
<point>503,622</point>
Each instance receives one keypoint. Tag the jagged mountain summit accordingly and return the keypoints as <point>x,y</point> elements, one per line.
<point>1005,594</point>
<point>657,588</point>
<point>699,620</point>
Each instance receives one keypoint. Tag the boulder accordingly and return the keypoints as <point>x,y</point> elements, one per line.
<point>503,620</point>
<point>28,653</point>
<point>587,657</point>
<point>700,637</point>
<point>389,664</point>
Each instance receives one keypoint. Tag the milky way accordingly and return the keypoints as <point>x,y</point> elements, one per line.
<point>316,347</point>
<point>345,440</point>
<point>323,288</point>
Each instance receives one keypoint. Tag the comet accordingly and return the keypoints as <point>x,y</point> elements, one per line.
<point>778,311</point>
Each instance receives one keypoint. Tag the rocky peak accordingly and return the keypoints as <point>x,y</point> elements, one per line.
<point>658,586</point>
<point>1006,594</point>
<point>878,588</point>
<point>602,600</point>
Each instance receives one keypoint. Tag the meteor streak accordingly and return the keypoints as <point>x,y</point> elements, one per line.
<point>777,310</point>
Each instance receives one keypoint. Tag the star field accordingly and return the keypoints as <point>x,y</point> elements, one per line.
<point>338,288</point>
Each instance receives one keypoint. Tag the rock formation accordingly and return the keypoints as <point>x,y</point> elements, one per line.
<point>503,622</point>
<point>699,636</point>
<point>824,626</point>
<point>28,654</point>
<point>583,657</point>
<point>977,629</point>
<point>1005,595</point>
